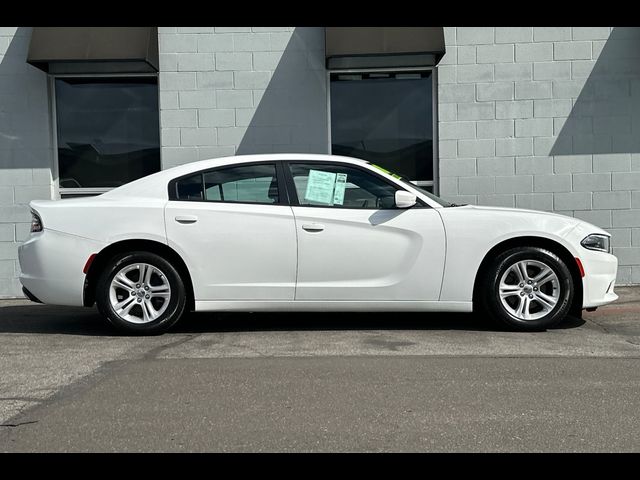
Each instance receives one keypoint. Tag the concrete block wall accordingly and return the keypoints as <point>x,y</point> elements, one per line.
<point>241,90</point>
<point>543,118</point>
<point>26,152</point>
<point>546,118</point>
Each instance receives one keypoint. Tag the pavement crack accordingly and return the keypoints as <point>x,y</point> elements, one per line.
<point>19,424</point>
<point>599,325</point>
<point>155,352</point>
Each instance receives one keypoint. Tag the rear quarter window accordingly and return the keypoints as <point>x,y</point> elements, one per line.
<point>189,188</point>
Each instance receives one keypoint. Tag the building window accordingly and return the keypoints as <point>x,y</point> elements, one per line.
<point>107,131</point>
<point>386,118</point>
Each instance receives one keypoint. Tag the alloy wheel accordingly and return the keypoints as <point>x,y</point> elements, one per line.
<point>139,293</point>
<point>529,290</point>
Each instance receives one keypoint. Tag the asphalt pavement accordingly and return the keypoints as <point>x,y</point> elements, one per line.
<point>319,382</point>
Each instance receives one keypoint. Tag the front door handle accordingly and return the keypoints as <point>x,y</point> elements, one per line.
<point>313,227</point>
<point>186,219</point>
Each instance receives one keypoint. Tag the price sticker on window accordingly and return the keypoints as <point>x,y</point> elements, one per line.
<point>325,187</point>
<point>338,192</point>
<point>320,187</point>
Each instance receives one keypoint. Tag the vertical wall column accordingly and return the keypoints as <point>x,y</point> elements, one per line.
<point>26,152</point>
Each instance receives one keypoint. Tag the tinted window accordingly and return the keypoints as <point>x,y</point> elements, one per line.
<point>340,186</point>
<point>386,118</point>
<point>189,188</point>
<point>247,184</point>
<point>108,130</point>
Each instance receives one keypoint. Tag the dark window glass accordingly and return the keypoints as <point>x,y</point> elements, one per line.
<point>336,185</point>
<point>246,184</point>
<point>385,118</point>
<point>108,130</point>
<point>189,188</point>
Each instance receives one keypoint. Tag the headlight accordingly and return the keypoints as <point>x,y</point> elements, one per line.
<point>36,222</point>
<point>598,242</point>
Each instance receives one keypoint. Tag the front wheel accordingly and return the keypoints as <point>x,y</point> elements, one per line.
<point>140,293</point>
<point>528,288</point>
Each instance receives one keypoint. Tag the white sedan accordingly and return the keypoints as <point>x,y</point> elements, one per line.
<point>306,233</point>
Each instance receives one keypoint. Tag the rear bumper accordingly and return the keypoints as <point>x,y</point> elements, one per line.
<point>51,266</point>
<point>30,295</point>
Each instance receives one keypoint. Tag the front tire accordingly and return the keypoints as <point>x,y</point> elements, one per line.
<point>140,293</point>
<point>527,288</point>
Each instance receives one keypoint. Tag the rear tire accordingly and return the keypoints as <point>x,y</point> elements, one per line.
<point>140,293</point>
<point>527,288</point>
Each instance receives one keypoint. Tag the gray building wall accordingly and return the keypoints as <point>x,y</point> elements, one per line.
<point>26,152</point>
<point>241,90</point>
<point>546,118</point>
<point>543,118</point>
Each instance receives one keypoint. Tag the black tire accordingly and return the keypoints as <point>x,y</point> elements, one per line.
<point>176,302</point>
<point>491,303</point>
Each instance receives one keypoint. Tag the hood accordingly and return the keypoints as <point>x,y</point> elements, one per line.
<point>507,211</point>
<point>518,210</point>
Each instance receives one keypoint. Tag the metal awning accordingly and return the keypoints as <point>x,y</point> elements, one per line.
<point>371,47</point>
<point>94,49</point>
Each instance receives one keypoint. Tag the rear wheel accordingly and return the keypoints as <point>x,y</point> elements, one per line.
<point>140,293</point>
<point>528,288</point>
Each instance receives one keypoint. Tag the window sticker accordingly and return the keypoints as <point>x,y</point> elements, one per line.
<point>380,168</point>
<point>394,175</point>
<point>338,193</point>
<point>320,187</point>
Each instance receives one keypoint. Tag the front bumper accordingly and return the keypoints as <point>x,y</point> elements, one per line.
<point>600,270</point>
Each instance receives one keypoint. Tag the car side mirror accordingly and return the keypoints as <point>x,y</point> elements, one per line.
<point>405,199</point>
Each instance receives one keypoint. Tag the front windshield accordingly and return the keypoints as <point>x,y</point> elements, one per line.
<point>406,181</point>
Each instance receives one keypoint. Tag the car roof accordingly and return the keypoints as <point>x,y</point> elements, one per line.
<point>155,185</point>
<point>267,157</point>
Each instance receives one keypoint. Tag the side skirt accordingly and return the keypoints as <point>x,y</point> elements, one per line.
<point>330,306</point>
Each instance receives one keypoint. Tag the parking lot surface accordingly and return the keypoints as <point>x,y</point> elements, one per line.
<point>319,382</point>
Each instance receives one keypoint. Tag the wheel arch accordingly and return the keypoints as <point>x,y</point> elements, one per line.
<point>122,246</point>
<point>533,241</point>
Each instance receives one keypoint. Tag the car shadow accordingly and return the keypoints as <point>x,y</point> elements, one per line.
<point>45,319</point>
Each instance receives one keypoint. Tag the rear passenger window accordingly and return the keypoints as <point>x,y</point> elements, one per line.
<point>245,184</point>
<point>239,184</point>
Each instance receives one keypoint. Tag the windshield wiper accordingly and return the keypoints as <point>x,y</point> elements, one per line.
<point>457,205</point>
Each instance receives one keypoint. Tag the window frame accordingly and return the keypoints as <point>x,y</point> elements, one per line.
<point>283,197</point>
<point>66,192</point>
<point>435,183</point>
<point>293,192</point>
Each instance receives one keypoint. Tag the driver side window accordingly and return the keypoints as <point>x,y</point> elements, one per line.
<point>340,186</point>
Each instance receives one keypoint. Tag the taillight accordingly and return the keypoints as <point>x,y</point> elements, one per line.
<point>36,222</point>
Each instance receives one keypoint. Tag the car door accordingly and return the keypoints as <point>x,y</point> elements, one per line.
<point>236,232</point>
<point>354,244</point>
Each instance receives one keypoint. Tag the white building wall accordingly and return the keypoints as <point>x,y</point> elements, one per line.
<point>546,118</point>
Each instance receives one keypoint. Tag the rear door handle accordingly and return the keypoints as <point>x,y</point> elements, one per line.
<point>186,219</point>
<point>313,227</point>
